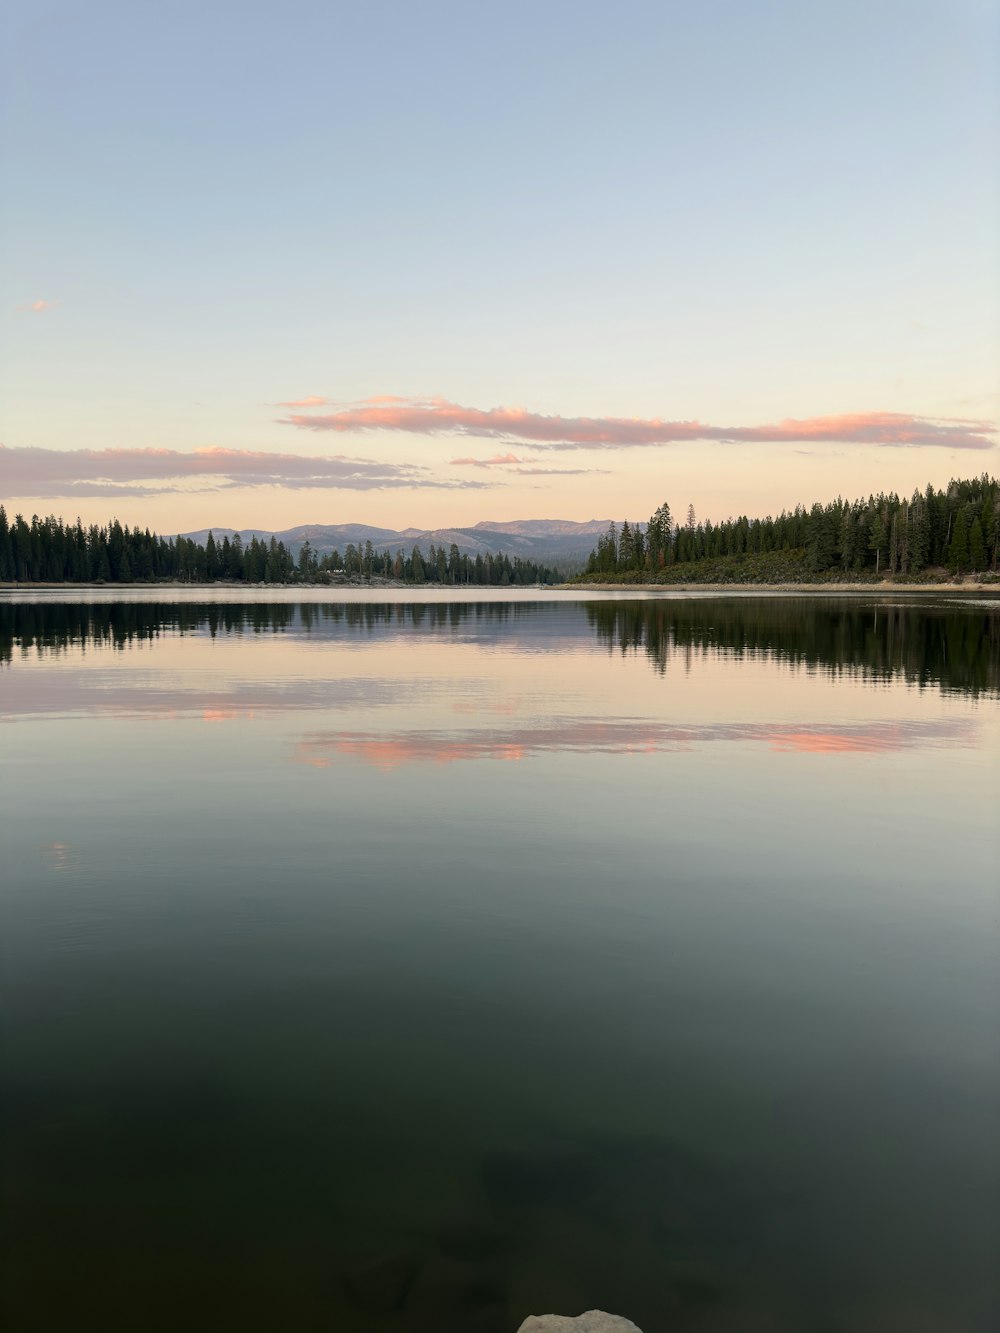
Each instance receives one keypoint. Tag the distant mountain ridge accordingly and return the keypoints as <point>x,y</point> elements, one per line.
<point>556,539</point>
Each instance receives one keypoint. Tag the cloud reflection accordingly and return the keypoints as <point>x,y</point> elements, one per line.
<point>625,736</point>
<point>60,856</point>
<point>103,692</point>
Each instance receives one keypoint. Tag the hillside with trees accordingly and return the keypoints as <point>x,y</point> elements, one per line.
<point>51,551</point>
<point>932,534</point>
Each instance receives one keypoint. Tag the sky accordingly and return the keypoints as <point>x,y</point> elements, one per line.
<point>427,264</point>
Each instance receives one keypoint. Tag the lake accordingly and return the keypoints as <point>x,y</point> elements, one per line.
<point>378,964</point>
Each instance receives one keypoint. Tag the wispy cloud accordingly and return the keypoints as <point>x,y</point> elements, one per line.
<point>498,460</point>
<point>561,471</point>
<point>524,467</point>
<point>37,307</point>
<point>48,473</point>
<point>437,416</point>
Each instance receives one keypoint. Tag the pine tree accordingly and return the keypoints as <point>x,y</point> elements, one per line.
<point>211,559</point>
<point>977,547</point>
<point>821,545</point>
<point>626,547</point>
<point>991,528</point>
<point>958,548</point>
<point>877,538</point>
<point>658,534</point>
<point>6,559</point>
<point>920,543</point>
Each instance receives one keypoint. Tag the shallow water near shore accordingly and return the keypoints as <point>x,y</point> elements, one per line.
<point>380,964</point>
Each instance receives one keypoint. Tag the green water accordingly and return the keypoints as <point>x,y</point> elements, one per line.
<point>393,966</point>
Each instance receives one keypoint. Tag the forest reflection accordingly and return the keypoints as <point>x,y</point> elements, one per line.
<point>950,645</point>
<point>53,627</point>
<point>955,647</point>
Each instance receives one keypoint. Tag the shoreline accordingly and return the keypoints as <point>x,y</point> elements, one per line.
<point>885,588</point>
<point>840,589</point>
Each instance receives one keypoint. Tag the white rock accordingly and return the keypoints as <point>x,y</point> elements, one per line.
<point>593,1321</point>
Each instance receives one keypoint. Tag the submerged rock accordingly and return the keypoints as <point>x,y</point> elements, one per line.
<point>383,1284</point>
<point>593,1321</point>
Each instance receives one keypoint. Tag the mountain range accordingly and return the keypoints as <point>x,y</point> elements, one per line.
<point>538,539</point>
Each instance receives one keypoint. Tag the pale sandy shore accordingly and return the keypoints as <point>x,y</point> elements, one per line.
<point>965,588</point>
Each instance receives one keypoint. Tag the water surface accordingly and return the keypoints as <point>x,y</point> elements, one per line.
<point>414,966</point>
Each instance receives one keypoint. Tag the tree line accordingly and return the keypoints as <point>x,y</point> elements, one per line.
<point>452,567</point>
<point>885,536</point>
<point>47,550</point>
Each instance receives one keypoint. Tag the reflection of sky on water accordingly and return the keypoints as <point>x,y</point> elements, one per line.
<point>629,737</point>
<point>947,643</point>
<point>507,683</point>
<point>60,856</point>
<point>153,693</point>
<point>531,924</point>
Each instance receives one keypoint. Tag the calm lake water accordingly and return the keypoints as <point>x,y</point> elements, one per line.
<point>413,967</point>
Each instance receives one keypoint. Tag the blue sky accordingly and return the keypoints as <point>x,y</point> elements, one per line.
<point>727,213</point>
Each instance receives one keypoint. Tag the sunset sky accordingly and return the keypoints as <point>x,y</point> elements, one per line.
<point>429,264</point>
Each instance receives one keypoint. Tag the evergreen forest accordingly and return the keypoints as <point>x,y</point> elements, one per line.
<point>47,550</point>
<point>955,531</point>
<point>934,533</point>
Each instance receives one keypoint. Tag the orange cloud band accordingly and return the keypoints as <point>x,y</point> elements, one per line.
<point>434,416</point>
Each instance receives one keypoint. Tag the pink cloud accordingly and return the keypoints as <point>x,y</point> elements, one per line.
<point>38,307</point>
<point>318,400</point>
<point>498,460</point>
<point>45,473</point>
<point>433,416</point>
<point>520,466</point>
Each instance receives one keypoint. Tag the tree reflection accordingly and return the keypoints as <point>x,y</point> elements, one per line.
<point>954,647</point>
